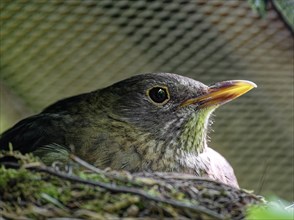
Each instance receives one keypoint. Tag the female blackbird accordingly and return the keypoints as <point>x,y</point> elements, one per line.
<point>149,122</point>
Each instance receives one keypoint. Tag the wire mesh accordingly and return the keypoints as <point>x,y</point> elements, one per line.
<point>55,49</point>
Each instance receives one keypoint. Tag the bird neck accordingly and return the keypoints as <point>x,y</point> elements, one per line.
<point>194,135</point>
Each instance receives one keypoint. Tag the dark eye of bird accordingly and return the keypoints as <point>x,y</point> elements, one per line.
<point>158,94</point>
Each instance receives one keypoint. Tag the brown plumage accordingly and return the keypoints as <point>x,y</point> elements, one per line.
<point>149,122</point>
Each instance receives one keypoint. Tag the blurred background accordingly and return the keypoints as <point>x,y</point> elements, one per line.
<point>55,49</point>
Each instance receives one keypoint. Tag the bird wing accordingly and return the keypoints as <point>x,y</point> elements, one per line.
<point>31,133</point>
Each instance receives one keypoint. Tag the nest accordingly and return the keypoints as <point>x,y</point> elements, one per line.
<point>29,189</point>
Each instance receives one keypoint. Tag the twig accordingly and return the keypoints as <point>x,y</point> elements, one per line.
<point>119,189</point>
<point>101,172</point>
<point>262,179</point>
<point>86,165</point>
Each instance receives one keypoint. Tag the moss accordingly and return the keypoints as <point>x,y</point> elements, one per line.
<point>29,193</point>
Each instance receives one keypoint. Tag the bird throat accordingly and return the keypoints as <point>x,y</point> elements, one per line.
<point>193,138</point>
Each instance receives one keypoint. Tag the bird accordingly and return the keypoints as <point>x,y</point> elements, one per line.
<point>153,122</point>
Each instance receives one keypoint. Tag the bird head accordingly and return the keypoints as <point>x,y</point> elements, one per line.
<point>170,108</point>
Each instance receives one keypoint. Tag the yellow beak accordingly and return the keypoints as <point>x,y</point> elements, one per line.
<point>221,93</point>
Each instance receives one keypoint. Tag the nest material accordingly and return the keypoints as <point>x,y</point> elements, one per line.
<point>29,189</point>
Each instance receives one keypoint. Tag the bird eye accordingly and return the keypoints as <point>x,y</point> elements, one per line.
<point>158,95</point>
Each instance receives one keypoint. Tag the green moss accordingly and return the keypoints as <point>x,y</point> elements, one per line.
<point>39,195</point>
